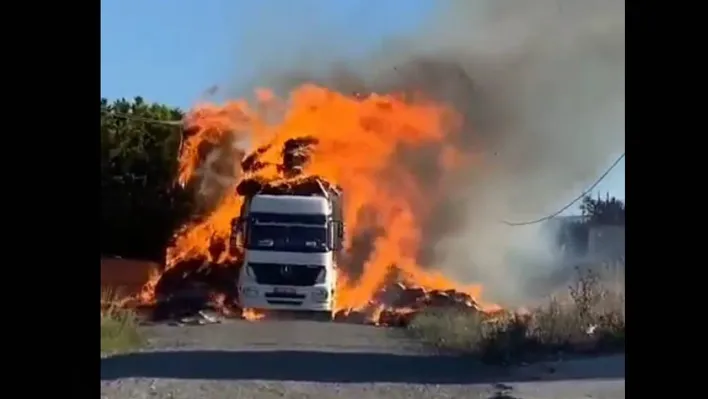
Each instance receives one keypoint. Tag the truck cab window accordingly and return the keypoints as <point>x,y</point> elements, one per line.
<point>275,235</point>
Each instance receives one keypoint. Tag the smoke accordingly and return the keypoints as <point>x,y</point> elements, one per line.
<point>546,105</point>
<point>541,87</point>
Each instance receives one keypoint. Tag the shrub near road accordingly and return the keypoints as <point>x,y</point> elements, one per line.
<point>590,320</point>
<point>118,325</point>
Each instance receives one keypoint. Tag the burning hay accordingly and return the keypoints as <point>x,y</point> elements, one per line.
<point>350,146</point>
<point>187,299</point>
<point>396,305</point>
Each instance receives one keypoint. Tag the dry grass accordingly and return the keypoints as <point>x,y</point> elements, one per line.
<point>589,318</point>
<point>118,325</point>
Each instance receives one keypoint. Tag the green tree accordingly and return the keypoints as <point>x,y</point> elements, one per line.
<point>608,211</point>
<point>141,205</point>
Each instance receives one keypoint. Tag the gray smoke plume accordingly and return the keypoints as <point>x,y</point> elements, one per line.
<point>541,86</point>
<point>548,102</point>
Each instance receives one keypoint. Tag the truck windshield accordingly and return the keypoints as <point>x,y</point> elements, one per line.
<point>284,218</point>
<point>291,238</point>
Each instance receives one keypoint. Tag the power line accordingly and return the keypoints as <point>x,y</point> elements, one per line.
<point>578,198</point>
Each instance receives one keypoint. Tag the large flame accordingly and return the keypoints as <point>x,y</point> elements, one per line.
<point>358,141</point>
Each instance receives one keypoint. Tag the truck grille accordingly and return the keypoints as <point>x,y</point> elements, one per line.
<point>282,274</point>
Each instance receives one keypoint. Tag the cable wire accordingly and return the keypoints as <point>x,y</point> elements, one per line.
<point>578,198</point>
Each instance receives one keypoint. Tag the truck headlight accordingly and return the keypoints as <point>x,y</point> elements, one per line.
<point>321,276</point>
<point>250,292</point>
<point>320,295</point>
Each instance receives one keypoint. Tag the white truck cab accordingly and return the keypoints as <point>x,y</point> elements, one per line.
<point>290,244</point>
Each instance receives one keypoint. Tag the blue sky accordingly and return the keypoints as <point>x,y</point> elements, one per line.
<point>172,51</point>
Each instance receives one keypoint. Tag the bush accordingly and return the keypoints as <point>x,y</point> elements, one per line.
<point>119,331</point>
<point>590,319</point>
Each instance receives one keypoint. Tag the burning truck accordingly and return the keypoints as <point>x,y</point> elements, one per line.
<point>291,235</point>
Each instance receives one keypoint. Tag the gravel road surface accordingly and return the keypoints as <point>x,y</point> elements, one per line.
<point>302,359</point>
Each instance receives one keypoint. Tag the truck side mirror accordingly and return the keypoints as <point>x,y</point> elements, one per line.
<point>338,235</point>
<point>340,231</point>
<point>331,242</point>
<point>237,232</point>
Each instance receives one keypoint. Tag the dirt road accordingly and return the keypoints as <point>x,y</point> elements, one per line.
<point>300,359</point>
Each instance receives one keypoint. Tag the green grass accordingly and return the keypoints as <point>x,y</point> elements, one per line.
<point>588,318</point>
<point>119,331</point>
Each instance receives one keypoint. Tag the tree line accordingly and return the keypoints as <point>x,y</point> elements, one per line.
<point>140,204</point>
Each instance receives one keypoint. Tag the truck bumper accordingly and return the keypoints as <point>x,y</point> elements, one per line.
<point>316,298</point>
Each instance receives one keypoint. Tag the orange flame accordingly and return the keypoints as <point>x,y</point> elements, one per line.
<point>252,314</point>
<point>147,293</point>
<point>359,139</point>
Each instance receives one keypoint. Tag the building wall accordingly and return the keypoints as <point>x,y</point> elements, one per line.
<point>126,275</point>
